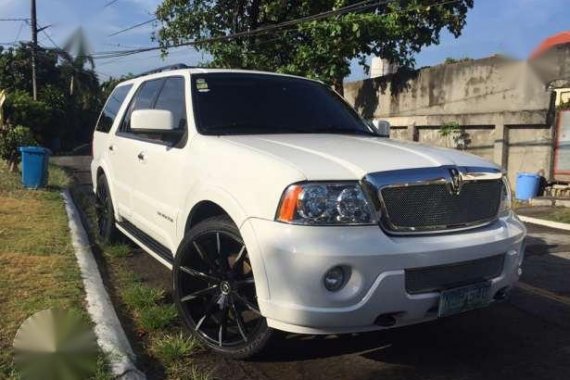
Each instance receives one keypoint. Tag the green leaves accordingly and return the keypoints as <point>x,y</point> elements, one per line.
<point>319,49</point>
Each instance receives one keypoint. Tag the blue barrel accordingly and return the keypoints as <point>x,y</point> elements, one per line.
<point>527,186</point>
<point>34,166</point>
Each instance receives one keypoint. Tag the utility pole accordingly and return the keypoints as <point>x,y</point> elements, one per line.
<point>34,50</point>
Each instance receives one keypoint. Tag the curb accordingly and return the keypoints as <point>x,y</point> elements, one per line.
<point>545,223</point>
<point>110,334</point>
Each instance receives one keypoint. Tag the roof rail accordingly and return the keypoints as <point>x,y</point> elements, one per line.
<point>177,66</point>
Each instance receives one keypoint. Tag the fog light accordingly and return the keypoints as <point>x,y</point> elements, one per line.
<point>335,278</point>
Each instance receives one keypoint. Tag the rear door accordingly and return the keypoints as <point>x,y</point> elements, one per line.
<point>126,147</point>
<point>104,142</point>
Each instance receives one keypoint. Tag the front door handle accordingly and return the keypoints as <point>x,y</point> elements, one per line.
<point>141,156</point>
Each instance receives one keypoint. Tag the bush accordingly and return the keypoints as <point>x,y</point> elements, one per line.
<point>10,139</point>
<point>21,109</point>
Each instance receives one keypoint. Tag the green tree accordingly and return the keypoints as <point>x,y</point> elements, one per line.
<point>322,49</point>
<point>11,138</point>
<point>69,94</point>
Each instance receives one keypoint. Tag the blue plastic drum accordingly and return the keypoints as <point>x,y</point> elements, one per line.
<point>527,186</point>
<point>34,166</point>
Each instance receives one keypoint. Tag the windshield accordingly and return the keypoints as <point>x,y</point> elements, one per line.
<point>231,104</point>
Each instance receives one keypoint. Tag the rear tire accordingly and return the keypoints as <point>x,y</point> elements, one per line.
<point>106,229</point>
<point>214,290</point>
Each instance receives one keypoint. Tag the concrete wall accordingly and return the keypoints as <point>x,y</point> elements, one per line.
<point>502,105</point>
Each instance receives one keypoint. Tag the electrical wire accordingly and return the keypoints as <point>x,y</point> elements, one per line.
<point>362,5</point>
<point>14,19</point>
<point>109,3</point>
<point>281,27</point>
<point>133,27</point>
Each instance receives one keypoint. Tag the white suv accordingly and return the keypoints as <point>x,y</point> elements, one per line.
<point>277,207</point>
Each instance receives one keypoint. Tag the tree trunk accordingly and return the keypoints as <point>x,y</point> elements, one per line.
<point>13,166</point>
<point>338,86</point>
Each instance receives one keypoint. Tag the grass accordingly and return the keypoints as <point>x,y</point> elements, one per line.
<point>39,269</point>
<point>560,214</point>
<point>150,314</point>
<point>171,348</point>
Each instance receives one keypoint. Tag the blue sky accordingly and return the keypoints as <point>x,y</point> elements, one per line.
<point>512,27</point>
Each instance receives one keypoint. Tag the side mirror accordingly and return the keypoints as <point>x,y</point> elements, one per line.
<point>157,121</point>
<point>382,128</point>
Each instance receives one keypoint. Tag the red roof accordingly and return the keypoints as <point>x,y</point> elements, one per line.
<point>555,40</point>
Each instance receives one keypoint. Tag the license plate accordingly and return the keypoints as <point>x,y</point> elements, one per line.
<point>465,298</point>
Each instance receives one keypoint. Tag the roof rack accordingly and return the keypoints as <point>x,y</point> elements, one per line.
<point>176,66</point>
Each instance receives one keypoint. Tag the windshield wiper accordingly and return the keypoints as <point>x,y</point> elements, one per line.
<point>339,130</point>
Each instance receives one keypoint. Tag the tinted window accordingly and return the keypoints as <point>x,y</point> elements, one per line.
<point>172,99</point>
<point>261,104</point>
<point>111,108</point>
<point>144,99</point>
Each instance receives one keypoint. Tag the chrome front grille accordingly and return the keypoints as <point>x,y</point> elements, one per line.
<point>437,199</point>
<point>435,207</point>
<point>437,278</point>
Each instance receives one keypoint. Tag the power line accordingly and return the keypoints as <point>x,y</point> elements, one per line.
<point>133,27</point>
<point>363,5</point>
<point>19,31</point>
<point>349,8</point>
<point>109,3</point>
<point>14,19</point>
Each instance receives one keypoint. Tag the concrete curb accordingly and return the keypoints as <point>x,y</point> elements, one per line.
<point>110,334</point>
<point>545,223</point>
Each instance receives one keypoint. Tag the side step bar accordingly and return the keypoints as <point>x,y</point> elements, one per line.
<point>148,241</point>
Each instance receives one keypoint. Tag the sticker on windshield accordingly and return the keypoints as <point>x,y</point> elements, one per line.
<point>202,85</point>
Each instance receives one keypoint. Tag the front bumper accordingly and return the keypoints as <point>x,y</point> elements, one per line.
<point>290,261</point>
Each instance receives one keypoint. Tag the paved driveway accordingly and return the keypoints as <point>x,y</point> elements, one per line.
<point>527,337</point>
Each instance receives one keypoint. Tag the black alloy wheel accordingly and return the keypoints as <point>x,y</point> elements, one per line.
<point>215,290</point>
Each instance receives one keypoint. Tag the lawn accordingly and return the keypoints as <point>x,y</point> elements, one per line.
<point>164,348</point>
<point>561,214</point>
<point>39,269</point>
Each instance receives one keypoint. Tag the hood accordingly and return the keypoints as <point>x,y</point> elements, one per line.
<point>343,157</point>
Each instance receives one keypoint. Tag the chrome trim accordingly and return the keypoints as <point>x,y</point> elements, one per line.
<point>449,175</point>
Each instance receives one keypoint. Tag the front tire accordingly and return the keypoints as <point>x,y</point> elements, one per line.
<point>214,290</point>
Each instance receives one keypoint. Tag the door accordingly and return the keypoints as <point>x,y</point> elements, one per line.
<point>161,178</point>
<point>125,148</point>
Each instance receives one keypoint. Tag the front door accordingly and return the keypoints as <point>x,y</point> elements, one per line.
<point>160,189</point>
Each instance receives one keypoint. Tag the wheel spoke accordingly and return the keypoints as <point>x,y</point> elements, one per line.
<point>248,304</point>
<point>200,275</point>
<point>202,254</point>
<point>239,320</point>
<point>245,281</point>
<point>207,312</point>
<point>239,259</point>
<point>223,324</point>
<point>223,258</point>
<point>199,293</point>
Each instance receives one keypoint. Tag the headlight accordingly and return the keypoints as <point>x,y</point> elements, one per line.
<point>506,198</point>
<point>326,204</point>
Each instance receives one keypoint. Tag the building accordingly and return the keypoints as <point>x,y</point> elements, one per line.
<point>501,109</point>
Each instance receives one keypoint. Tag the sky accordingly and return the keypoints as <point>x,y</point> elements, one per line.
<point>511,27</point>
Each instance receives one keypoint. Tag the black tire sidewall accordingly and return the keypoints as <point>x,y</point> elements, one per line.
<point>110,234</point>
<point>258,341</point>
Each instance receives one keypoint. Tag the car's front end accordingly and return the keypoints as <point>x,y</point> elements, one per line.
<point>348,231</point>
<point>395,248</point>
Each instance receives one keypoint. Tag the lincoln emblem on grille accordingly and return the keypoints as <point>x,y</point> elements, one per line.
<point>456,182</point>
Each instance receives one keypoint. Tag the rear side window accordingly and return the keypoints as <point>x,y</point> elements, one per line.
<point>107,117</point>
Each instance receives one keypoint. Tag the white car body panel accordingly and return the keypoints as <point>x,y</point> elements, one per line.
<point>246,176</point>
